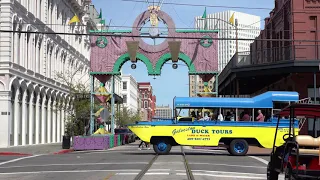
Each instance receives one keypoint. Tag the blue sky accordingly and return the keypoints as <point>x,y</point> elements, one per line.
<point>171,82</point>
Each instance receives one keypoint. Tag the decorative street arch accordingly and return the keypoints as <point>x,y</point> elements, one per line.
<point>196,48</point>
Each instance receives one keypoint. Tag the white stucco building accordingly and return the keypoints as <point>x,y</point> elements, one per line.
<point>29,91</point>
<point>117,85</point>
<point>248,28</point>
<point>130,92</point>
<point>164,112</point>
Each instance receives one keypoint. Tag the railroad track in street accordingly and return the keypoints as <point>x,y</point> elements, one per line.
<point>186,165</point>
<point>148,166</point>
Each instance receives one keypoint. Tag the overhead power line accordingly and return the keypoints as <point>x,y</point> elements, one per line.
<point>158,37</point>
<point>196,29</point>
<point>204,5</point>
<point>122,26</point>
<point>222,29</point>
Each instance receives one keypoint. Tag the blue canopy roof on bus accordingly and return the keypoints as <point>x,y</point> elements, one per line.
<point>264,100</point>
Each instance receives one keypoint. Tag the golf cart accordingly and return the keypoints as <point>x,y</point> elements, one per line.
<point>298,157</point>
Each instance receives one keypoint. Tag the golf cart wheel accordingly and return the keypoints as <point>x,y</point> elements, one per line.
<point>288,174</point>
<point>162,147</point>
<point>238,147</point>
<point>271,173</point>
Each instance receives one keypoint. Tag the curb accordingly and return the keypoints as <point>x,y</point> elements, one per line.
<point>14,154</point>
<point>65,151</point>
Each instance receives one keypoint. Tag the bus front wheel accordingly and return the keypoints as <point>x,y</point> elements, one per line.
<point>238,147</point>
<point>162,147</point>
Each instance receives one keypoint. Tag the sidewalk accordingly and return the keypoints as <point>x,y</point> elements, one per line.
<point>29,150</point>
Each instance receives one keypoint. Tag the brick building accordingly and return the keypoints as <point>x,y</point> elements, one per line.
<point>148,100</point>
<point>284,57</point>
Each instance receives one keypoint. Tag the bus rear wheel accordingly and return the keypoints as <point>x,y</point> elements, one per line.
<point>238,147</point>
<point>162,147</point>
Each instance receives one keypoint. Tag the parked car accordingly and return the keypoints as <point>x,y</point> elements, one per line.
<point>128,136</point>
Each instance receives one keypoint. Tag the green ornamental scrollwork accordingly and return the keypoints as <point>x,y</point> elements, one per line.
<point>206,41</point>
<point>102,42</point>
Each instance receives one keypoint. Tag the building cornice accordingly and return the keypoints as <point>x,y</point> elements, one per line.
<point>30,76</point>
<point>40,26</point>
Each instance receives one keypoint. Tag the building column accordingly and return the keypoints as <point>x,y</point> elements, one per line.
<point>24,118</point>
<point>54,121</point>
<point>49,121</point>
<point>63,115</point>
<point>5,108</point>
<point>31,119</point>
<point>59,122</point>
<point>16,119</point>
<point>43,120</point>
<point>37,119</point>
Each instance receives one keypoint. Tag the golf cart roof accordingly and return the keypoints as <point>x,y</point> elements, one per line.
<point>307,110</point>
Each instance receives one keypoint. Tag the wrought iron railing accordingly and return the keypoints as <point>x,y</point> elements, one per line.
<point>271,56</point>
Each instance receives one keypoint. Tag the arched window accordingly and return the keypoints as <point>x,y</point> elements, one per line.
<point>146,104</point>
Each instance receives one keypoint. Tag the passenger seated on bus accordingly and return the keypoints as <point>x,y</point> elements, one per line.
<point>241,115</point>
<point>260,117</point>
<point>233,116</point>
<point>199,115</point>
<point>193,114</point>
<point>246,116</point>
<point>228,116</point>
<point>213,116</point>
<point>206,116</point>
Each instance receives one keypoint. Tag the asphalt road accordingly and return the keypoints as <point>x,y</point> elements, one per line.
<point>125,162</point>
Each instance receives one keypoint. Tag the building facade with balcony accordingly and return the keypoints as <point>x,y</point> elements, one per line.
<point>285,56</point>
<point>30,62</point>
<point>143,112</point>
<point>147,99</point>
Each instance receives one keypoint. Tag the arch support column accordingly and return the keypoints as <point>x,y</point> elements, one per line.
<point>54,121</point>
<point>63,116</point>
<point>37,119</point>
<point>24,118</point>
<point>59,122</point>
<point>43,119</point>
<point>5,101</point>
<point>16,122</point>
<point>49,120</point>
<point>31,120</point>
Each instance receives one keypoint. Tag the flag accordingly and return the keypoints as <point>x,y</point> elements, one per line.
<point>74,19</point>
<point>231,20</point>
<point>204,16</point>
<point>100,14</point>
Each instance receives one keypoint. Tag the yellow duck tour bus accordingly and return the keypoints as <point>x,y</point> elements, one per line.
<point>234,123</point>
